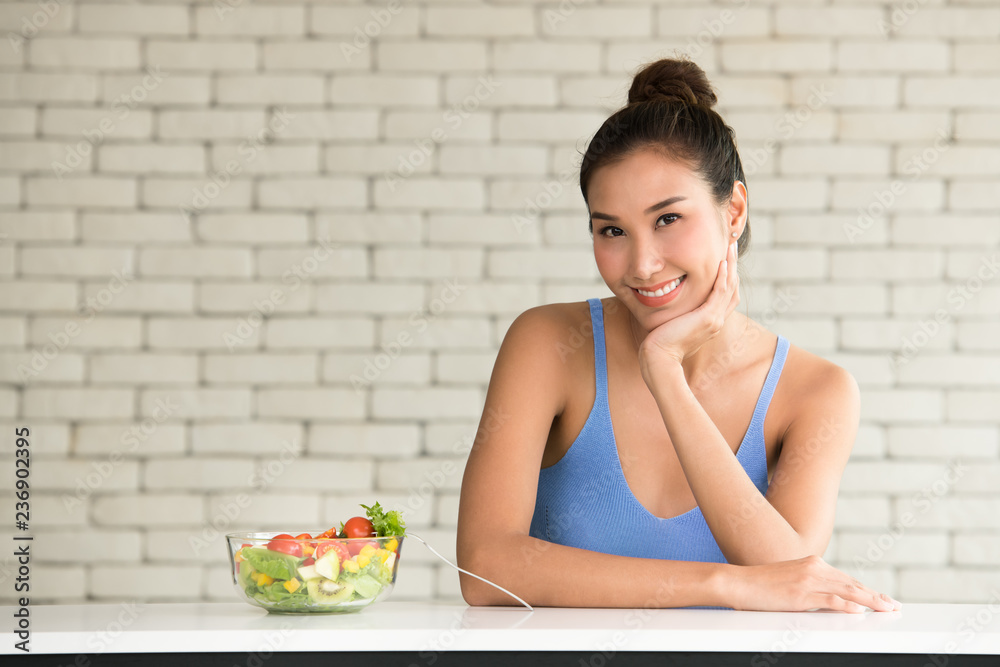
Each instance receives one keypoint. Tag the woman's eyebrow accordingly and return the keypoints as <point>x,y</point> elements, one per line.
<point>651,209</point>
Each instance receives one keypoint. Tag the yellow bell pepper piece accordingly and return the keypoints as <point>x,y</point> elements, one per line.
<point>363,560</point>
<point>264,579</point>
<point>392,544</point>
<point>351,566</point>
<point>291,585</point>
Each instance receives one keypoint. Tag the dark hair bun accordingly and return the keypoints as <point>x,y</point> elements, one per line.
<point>672,80</point>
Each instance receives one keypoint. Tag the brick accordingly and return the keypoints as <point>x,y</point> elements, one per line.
<point>35,156</point>
<point>977,480</point>
<point>961,22</point>
<point>250,438</point>
<point>413,581</point>
<point>172,193</point>
<point>209,124</point>
<point>846,91</point>
<point>411,475</point>
<point>950,370</point>
<point>104,332</point>
<point>369,89</point>
<point>270,511</point>
<point>546,125</point>
<point>844,299</point>
<point>343,20</point>
<point>427,331</point>
<point>143,21</point>
<point>197,475</point>
<point>147,437</point>
<point>55,511</point>
<point>951,586</point>
<point>161,582</point>
<point>195,262</point>
<point>260,369</point>
<point>488,298</point>
<point>542,263</point>
<point>826,21</point>
<point>509,160</point>
<point>446,514</point>
<point>17,122</point>
<point>485,21</point>
<point>84,404</point>
<point>963,196</point>
<point>898,477</point>
<point>700,23</point>
<point>945,230</point>
<point>97,125</point>
<point>902,405</point>
<point>464,367</point>
<point>597,22</point>
<point>578,91</point>
<point>152,159</point>
<point>972,549</point>
<point>41,366</point>
<point>781,264</point>
<point>365,440</point>
<point>67,53</point>
<point>400,160</point>
<point>423,124</point>
<point>8,402</point>
<point>82,191</point>
<point>214,55</point>
<point>143,369</point>
<point>310,403</point>
<point>800,125</point>
<point>13,332</point>
<point>789,55</point>
<point>61,582</point>
<point>976,57</point>
<point>252,158</point>
<point>343,124</point>
<point>322,261</point>
<point>428,263</point>
<point>38,226</point>
<point>155,86</point>
<point>143,297</point>
<point>83,478</point>
<point>10,191</point>
<point>76,261</point>
<point>891,126</point>
<point>134,226</point>
<point>14,14</point>
<point>260,21</point>
<point>875,334</point>
<point>968,298</point>
<point>862,512</point>
<point>246,298</point>
<point>414,55</point>
<point>365,297</point>
<point>952,513</point>
<point>197,403</point>
<point>976,126</point>
<point>895,56</point>
<point>893,265</point>
<point>910,548</point>
<point>790,194</point>
<point>959,90</point>
<point>978,336</point>
<point>253,228</point>
<point>362,369</point>
<point>269,89</point>
<point>370,227</point>
<point>313,193</point>
<point>837,159</point>
<point>47,87</point>
<point>37,296</point>
<point>315,55</point>
<point>425,403</point>
<point>546,57</point>
<point>48,439</point>
<point>203,333</point>
<point>317,475</point>
<point>314,333</point>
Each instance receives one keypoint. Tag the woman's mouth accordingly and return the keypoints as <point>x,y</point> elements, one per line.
<point>658,295</point>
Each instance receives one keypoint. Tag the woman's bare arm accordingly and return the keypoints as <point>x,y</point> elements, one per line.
<point>527,391</point>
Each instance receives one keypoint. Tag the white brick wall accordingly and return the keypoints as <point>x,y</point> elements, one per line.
<point>200,290</point>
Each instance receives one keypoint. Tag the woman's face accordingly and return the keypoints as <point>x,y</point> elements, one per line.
<point>642,248</point>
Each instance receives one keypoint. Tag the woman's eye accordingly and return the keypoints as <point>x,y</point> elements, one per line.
<point>668,215</point>
<point>612,231</point>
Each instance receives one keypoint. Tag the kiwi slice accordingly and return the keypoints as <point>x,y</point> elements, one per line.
<point>324,591</point>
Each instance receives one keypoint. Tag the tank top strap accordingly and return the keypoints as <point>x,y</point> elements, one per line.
<point>600,352</point>
<point>770,382</point>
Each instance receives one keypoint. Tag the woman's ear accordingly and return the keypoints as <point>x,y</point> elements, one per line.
<point>738,207</point>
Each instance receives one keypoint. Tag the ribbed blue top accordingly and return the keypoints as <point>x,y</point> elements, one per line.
<point>584,501</point>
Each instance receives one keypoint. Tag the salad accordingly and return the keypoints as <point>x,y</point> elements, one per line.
<point>349,567</point>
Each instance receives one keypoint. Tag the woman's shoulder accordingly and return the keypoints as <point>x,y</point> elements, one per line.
<point>551,322</point>
<point>817,385</point>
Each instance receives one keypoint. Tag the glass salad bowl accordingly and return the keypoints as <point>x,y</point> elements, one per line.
<point>307,575</point>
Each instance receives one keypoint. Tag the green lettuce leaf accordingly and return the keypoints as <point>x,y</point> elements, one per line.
<point>386,523</point>
<point>272,563</point>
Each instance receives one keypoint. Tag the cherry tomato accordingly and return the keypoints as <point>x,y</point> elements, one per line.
<point>303,536</point>
<point>358,527</point>
<point>338,547</point>
<point>285,543</point>
<point>309,561</point>
<point>330,533</point>
<point>354,547</point>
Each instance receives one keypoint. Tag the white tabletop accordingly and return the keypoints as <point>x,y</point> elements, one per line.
<point>419,626</point>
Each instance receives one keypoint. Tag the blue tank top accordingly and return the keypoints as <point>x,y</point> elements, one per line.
<point>584,501</point>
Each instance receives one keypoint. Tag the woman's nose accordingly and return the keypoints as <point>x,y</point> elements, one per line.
<point>646,260</point>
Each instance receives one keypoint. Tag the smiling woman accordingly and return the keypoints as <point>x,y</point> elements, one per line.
<point>687,456</point>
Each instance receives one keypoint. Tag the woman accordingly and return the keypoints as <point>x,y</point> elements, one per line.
<point>639,450</point>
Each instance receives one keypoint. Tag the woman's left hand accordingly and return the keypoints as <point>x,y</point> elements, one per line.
<point>676,339</point>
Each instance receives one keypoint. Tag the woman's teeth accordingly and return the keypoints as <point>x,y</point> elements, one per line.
<point>666,289</point>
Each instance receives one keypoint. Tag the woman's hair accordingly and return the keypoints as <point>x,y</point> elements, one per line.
<point>670,110</point>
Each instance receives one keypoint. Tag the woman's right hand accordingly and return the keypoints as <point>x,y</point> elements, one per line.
<point>805,584</point>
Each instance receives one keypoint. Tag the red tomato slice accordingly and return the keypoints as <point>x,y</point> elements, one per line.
<point>337,547</point>
<point>285,543</point>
